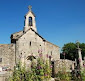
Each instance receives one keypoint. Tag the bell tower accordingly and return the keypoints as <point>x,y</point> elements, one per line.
<point>30,20</point>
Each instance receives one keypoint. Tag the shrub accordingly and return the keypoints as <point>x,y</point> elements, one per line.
<point>63,76</point>
<point>38,72</point>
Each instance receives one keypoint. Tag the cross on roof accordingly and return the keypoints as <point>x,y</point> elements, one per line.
<point>30,7</point>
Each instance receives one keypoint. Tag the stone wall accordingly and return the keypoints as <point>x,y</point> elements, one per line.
<point>3,77</point>
<point>61,65</point>
<point>53,51</point>
<point>7,55</point>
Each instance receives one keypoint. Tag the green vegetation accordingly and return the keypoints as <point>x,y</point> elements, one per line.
<point>83,74</point>
<point>42,71</point>
<point>70,50</point>
<point>38,72</point>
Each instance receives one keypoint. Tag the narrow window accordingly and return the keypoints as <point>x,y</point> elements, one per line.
<point>0,59</point>
<point>51,52</point>
<point>30,43</point>
<point>30,21</point>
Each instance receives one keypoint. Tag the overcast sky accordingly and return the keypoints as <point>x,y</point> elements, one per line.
<point>58,21</point>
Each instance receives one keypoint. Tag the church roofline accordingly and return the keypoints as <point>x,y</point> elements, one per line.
<point>31,12</point>
<point>6,44</point>
<point>1,45</point>
<point>38,35</point>
<point>52,44</point>
<point>33,31</point>
<point>16,32</point>
<point>16,35</point>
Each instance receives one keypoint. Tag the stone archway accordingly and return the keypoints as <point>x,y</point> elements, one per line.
<point>31,57</point>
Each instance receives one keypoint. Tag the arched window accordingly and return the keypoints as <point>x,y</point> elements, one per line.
<point>30,21</point>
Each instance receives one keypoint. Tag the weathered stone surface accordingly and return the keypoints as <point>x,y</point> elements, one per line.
<point>61,65</point>
<point>7,53</point>
<point>30,43</point>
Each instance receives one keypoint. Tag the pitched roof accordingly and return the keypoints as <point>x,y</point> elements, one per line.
<point>20,35</point>
<point>52,44</point>
<point>33,31</point>
<point>31,12</point>
<point>16,35</point>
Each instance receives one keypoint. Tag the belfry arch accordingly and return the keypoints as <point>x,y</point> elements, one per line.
<point>30,21</point>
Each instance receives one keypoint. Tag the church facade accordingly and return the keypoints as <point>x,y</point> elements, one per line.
<point>27,43</point>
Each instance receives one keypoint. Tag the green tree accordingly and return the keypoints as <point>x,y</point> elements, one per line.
<point>70,50</point>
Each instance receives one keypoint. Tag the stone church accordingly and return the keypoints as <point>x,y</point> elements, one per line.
<point>26,43</point>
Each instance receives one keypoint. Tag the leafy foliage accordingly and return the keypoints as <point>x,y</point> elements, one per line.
<point>65,76</point>
<point>39,71</point>
<point>47,70</point>
<point>70,50</point>
<point>83,75</point>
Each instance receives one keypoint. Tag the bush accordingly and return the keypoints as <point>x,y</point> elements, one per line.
<point>63,76</point>
<point>83,75</point>
<point>38,72</point>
